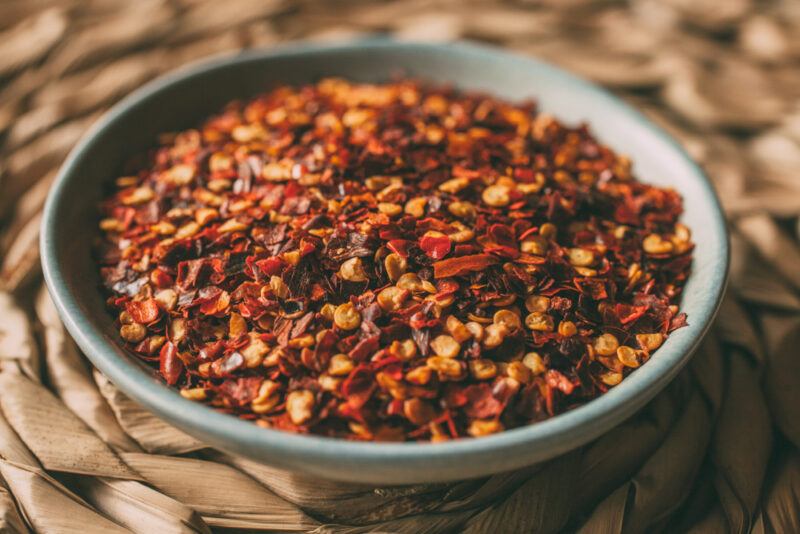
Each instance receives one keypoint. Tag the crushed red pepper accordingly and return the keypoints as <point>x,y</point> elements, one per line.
<point>391,262</point>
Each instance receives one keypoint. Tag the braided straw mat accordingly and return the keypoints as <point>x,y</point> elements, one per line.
<point>717,451</point>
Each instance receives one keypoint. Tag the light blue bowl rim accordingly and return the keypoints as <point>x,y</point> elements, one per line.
<point>553,436</point>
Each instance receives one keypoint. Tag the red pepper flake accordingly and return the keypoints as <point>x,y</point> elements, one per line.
<point>161,278</point>
<point>435,246</point>
<point>480,403</point>
<point>462,265</point>
<point>399,247</point>
<point>143,311</point>
<point>216,303</point>
<point>350,260</point>
<point>557,380</point>
<point>358,386</point>
<point>271,266</point>
<point>170,364</point>
<point>628,314</point>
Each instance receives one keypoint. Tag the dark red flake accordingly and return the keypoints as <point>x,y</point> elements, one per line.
<point>358,386</point>
<point>557,380</point>
<point>480,403</point>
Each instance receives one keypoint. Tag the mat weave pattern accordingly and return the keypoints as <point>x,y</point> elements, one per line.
<point>717,451</point>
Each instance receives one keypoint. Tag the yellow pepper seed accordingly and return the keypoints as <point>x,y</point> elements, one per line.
<point>580,257</point>
<point>650,342</point>
<point>445,346</point>
<point>534,362</point>
<point>508,319</point>
<point>627,356</point>
<point>352,270</point>
<point>340,365</point>
<point>496,196</point>
<point>606,345</point>
<point>392,298</point>
<point>299,406</point>
<point>480,427</point>
<point>347,317</point>
<point>537,303</point>
<point>482,369</point>
<point>396,267</point>
<point>539,322</point>
<point>567,328</point>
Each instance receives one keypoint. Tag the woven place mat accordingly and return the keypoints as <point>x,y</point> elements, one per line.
<point>716,451</point>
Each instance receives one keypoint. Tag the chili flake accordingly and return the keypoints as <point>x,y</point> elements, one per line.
<point>396,261</point>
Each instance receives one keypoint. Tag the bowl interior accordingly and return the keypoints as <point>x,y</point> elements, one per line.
<point>184,98</point>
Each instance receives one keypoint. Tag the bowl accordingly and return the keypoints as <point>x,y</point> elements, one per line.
<point>183,98</point>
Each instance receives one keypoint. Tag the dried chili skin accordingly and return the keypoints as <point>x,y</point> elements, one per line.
<point>391,262</point>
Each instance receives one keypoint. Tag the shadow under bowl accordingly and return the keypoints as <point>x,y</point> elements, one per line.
<point>184,98</point>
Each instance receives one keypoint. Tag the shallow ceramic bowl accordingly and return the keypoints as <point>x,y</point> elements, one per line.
<point>184,98</point>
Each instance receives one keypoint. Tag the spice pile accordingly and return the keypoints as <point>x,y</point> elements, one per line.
<point>392,262</point>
